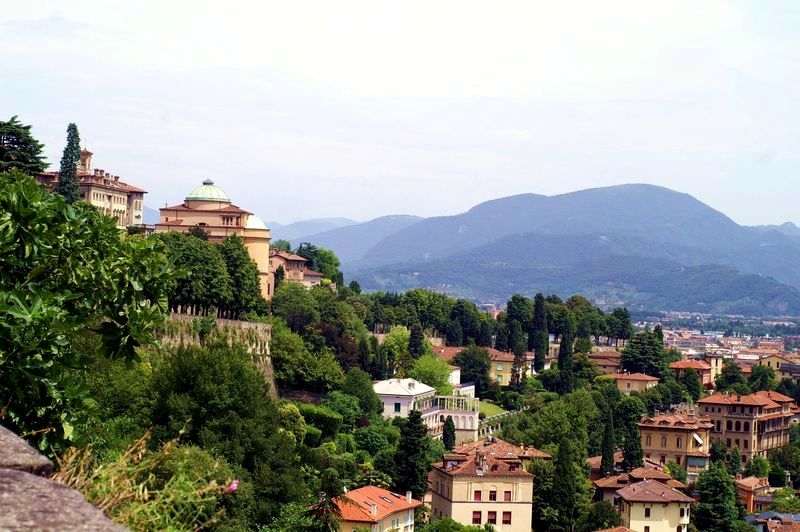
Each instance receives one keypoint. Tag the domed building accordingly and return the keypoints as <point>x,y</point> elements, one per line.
<point>208,207</point>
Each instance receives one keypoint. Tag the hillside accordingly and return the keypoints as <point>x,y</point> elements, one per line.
<point>351,242</point>
<point>306,227</point>
<point>644,244</point>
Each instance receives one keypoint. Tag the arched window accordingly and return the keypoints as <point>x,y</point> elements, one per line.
<point>738,426</point>
<point>729,425</point>
<point>680,442</point>
<point>747,426</point>
<point>647,440</point>
<point>663,441</point>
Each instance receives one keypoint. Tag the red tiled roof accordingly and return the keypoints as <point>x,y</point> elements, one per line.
<point>679,421</point>
<point>286,255</point>
<point>605,354</point>
<point>172,222</point>
<point>233,209</point>
<point>491,457</point>
<point>634,377</point>
<point>499,448</point>
<point>357,505</point>
<point>690,364</point>
<point>652,491</point>
<point>767,399</point>
<point>449,353</point>
<point>311,273</point>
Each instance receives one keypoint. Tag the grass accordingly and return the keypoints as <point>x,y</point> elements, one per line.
<point>490,409</point>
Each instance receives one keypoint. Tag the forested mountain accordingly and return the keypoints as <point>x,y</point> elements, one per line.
<point>643,244</point>
<point>351,242</point>
<point>306,227</point>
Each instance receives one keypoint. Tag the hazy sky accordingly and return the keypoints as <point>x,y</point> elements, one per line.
<point>359,109</point>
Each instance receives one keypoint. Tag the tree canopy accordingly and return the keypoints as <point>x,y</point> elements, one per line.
<point>19,150</point>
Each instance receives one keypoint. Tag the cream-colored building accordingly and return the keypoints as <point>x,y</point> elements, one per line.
<point>683,438</point>
<point>634,382</point>
<point>295,268</point>
<point>209,208</point>
<point>650,506</point>
<point>114,198</point>
<point>377,510</point>
<point>477,486</point>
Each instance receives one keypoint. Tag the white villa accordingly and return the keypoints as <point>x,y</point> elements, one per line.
<point>401,396</point>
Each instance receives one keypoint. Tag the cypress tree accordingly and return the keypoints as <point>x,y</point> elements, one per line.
<point>364,356</point>
<point>538,335</point>
<point>565,363</point>
<point>565,488</point>
<point>411,458</point>
<point>415,341</point>
<point>518,346</point>
<point>449,434</point>
<point>68,173</point>
<point>735,464</point>
<point>607,462</point>
<point>632,453</point>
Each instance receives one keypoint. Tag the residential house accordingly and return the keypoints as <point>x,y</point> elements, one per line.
<point>209,208</point>
<point>770,521</point>
<point>114,198</point>
<point>295,268</point>
<point>606,487</point>
<point>755,423</point>
<point>377,510</point>
<point>401,396</point>
<point>682,437</point>
<point>477,485</point>
<point>703,369</point>
<point>595,461</point>
<point>650,506</point>
<point>786,367</point>
<point>500,362</point>
<point>608,362</point>
<point>634,382</point>
<point>754,493</point>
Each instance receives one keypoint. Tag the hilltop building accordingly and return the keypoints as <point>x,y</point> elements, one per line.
<point>401,396</point>
<point>484,483</point>
<point>755,423</point>
<point>114,198</point>
<point>209,208</point>
<point>294,268</point>
<point>376,509</point>
<point>606,487</point>
<point>681,367</point>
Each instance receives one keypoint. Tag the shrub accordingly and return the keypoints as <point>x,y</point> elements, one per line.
<point>325,419</point>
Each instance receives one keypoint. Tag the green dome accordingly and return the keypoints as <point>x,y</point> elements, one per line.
<point>208,192</point>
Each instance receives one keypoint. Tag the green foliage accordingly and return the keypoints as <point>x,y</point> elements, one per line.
<point>19,150</point>
<point>346,406</point>
<point>731,378</point>
<point>325,419</point>
<point>446,524</point>
<point>644,354</point>
<point>296,367</point>
<point>538,338</point>
<point>358,384</point>
<point>716,511</point>
<point>412,462</point>
<point>757,467</point>
<point>565,363</point>
<point>691,381</point>
<point>281,245</point>
<point>735,461</point>
<point>67,185</point>
<point>785,500</point>
<point>718,450</point>
<point>762,378</point>
<point>609,443</point>
<point>296,306</point>
<point>475,365</point>
<point>395,346</point>
<point>601,515</point>
<point>243,272</point>
<point>449,434</point>
<point>321,260</point>
<point>676,471</point>
<point>65,270</point>
<point>197,231</point>
<point>628,412</point>
<point>434,372</point>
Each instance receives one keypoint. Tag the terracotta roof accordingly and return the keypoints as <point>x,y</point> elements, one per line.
<point>233,209</point>
<point>634,377</point>
<point>594,462</point>
<point>357,505</point>
<point>766,399</point>
<point>499,448</point>
<point>484,465</point>
<point>690,364</point>
<point>752,483</point>
<point>679,421</point>
<point>637,475</point>
<point>172,222</point>
<point>449,353</point>
<point>285,255</point>
<point>605,354</point>
<point>311,273</point>
<point>652,491</point>
<point>616,529</point>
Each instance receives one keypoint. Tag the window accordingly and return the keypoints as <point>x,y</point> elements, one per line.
<point>647,529</point>
<point>738,426</point>
<point>683,512</point>
<point>663,441</point>
<point>493,495</point>
<point>507,496</point>
<point>476,518</point>
<point>680,442</point>
<point>679,529</point>
<point>476,495</point>
<point>647,440</point>
<point>647,512</point>
<point>499,367</point>
<point>506,518</point>
<point>746,443</point>
<point>728,425</point>
<point>728,443</point>
<point>397,407</point>
<point>747,426</point>
<point>492,518</point>
<point>499,378</point>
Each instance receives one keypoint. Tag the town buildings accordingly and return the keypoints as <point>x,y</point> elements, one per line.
<point>650,506</point>
<point>634,382</point>
<point>703,369</point>
<point>608,362</point>
<point>401,396</point>
<point>114,198</point>
<point>606,487</point>
<point>682,437</point>
<point>754,493</point>
<point>377,510</point>
<point>484,483</point>
<point>294,268</point>
<point>209,208</point>
<point>755,423</point>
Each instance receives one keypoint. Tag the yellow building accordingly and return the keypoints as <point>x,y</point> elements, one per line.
<point>785,367</point>
<point>478,485</point>
<point>500,362</point>
<point>294,268</point>
<point>650,506</point>
<point>209,208</point>
<point>634,382</point>
<point>114,198</point>
<point>377,510</point>
<point>683,438</point>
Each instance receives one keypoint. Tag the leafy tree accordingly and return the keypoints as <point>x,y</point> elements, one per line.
<point>692,383</point>
<point>731,378</point>
<point>519,309</point>
<point>602,515</point>
<point>280,276</point>
<point>618,325</point>
<point>785,500</point>
<point>416,341</point>
<point>762,378</point>
<point>475,365</point>
<point>66,272</point>
<point>677,472</point>
<point>296,306</point>
<point>644,354</point>
<point>296,367</point>
<point>197,231</point>
<point>19,150</point>
<point>519,365</point>
<point>449,434</point>
<point>446,524</point>
<point>281,245</point>
<point>345,405</point>
<point>629,410</point>
<point>484,338</point>
<point>412,464</point>
<point>716,511</point>
<point>718,451</point>
<point>434,372</point>
<point>545,511</point>
<point>395,346</point>
<point>321,260</point>
<point>735,462</point>
<point>68,174</point>
<point>326,511</point>
<point>777,475</point>
<point>757,467</point>
<point>538,335</point>
<point>354,287</point>
<point>565,366</point>
<point>243,272</point>
<point>609,445</point>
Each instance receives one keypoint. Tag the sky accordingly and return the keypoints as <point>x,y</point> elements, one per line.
<point>362,109</point>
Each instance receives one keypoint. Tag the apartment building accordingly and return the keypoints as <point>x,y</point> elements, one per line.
<point>684,438</point>
<point>483,484</point>
<point>755,423</point>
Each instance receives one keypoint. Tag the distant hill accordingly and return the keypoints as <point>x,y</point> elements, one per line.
<point>150,216</point>
<point>306,227</point>
<point>641,243</point>
<point>352,241</point>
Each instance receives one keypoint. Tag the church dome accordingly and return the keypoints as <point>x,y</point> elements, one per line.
<point>208,191</point>
<point>254,222</point>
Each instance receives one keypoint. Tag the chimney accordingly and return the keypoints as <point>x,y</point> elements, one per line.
<point>373,509</point>
<point>408,497</point>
